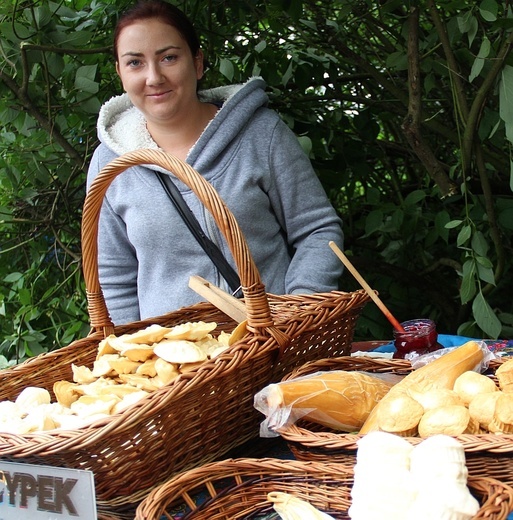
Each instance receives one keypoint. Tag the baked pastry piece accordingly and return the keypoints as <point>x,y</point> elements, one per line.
<point>482,408</point>
<point>470,383</point>
<point>502,421</point>
<point>436,397</point>
<point>504,375</point>
<point>448,420</point>
<point>400,415</point>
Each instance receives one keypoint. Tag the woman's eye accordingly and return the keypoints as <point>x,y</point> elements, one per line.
<point>169,57</point>
<point>133,63</point>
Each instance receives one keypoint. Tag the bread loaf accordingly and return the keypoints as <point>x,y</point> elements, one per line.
<point>338,399</point>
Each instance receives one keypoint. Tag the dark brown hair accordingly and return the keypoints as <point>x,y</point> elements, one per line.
<point>163,11</point>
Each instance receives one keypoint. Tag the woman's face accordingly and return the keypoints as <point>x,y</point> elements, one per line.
<point>157,70</point>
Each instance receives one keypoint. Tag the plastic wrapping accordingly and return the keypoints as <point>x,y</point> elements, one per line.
<point>418,361</point>
<point>338,399</point>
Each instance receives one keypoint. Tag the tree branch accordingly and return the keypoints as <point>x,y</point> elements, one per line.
<point>47,125</point>
<point>412,123</point>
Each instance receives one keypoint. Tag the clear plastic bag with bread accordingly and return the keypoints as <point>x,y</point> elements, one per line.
<point>338,399</point>
<point>355,401</point>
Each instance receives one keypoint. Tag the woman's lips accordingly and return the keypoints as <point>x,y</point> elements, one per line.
<point>157,95</point>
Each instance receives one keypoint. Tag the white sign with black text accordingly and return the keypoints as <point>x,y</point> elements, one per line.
<point>34,492</point>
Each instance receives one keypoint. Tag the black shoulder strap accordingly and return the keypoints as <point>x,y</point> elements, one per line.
<point>208,246</point>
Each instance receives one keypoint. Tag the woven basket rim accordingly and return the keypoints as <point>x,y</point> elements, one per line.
<point>498,497</point>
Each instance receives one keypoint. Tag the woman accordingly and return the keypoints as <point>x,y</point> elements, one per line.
<point>253,160</point>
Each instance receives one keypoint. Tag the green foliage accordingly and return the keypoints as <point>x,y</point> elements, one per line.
<point>404,110</point>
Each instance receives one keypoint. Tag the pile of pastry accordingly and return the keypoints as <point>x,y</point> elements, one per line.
<point>127,368</point>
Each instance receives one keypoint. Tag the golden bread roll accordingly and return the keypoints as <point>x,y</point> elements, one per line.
<point>440,373</point>
<point>503,414</point>
<point>504,373</point>
<point>447,420</point>
<point>338,399</point>
<point>470,383</point>
<point>436,397</point>
<point>400,415</point>
<point>482,408</point>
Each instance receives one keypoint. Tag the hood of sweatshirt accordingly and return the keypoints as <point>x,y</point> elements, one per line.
<point>122,127</point>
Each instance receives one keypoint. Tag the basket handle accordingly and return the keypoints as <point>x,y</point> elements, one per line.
<point>255,297</point>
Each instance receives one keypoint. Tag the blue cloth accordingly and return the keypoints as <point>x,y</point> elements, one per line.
<point>446,340</point>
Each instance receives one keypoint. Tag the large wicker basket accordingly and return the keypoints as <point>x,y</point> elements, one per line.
<point>204,413</point>
<point>237,489</point>
<point>487,455</point>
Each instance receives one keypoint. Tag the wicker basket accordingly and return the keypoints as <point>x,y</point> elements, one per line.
<point>204,413</point>
<point>237,488</point>
<point>487,455</point>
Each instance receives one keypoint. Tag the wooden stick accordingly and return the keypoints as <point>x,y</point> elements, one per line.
<point>343,258</point>
<point>227,303</point>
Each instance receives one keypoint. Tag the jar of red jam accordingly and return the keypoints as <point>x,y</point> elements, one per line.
<point>419,337</point>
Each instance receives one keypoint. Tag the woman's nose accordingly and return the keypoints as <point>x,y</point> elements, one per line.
<point>154,76</point>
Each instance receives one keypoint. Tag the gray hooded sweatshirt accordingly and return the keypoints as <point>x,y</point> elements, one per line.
<point>256,164</point>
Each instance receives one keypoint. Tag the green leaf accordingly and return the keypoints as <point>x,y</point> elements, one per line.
<point>489,10</point>
<point>260,46</point>
<point>226,68</point>
<point>463,235</point>
<point>306,143</point>
<point>479,244</point>
<point>13,277</point>
<point>479,62</point>
<point>84,79</point>
<point>465,22</point>
<point>468,24</point>
<point>506,95</point>
<point>485,317</point>
<point>373,222</point>
<point>506,218</point>
<point>397,60</point>
<point>453,224</point>
<point>442,218</point>
<point>414,197</point>
<point>468,284</point>
<point>485,273</point>
<point>24,296</point>
<point>288,73</point>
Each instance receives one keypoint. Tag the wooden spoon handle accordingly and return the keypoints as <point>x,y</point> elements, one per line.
<point>343,258</point>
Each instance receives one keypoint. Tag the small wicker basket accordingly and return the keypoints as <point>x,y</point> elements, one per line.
<point>204,413</point>
<point>487,455</point>
<point>237,489</point>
